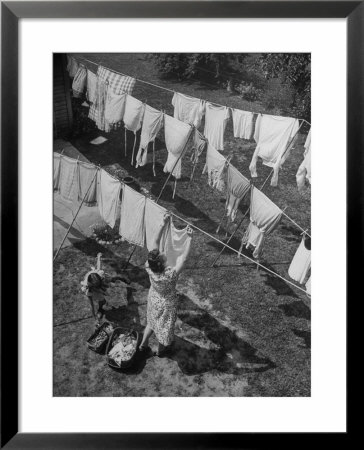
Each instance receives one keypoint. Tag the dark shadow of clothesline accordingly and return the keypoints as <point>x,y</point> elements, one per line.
<point>296,309</point>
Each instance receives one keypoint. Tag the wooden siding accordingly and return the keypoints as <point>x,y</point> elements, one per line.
<point>62,107</point>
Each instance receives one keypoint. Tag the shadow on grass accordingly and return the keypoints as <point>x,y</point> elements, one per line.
<point>296,309</point>
<point>305,335</point>
<point>233,355</point>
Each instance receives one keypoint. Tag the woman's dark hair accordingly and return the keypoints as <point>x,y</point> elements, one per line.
<point>94,281</point>
<point>155,261</point>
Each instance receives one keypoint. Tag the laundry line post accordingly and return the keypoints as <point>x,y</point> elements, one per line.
<point>175,164</point>
<point>73,221</point>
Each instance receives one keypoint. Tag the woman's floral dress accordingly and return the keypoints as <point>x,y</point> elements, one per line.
<point>162,304</point>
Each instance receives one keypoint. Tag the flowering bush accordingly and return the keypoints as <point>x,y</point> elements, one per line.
<point>104,234</point>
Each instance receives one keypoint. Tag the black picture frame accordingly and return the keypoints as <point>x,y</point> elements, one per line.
<point>11,12</point>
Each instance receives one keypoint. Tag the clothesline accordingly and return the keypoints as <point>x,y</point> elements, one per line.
<point>120,73</point>
<point>208,234</point>
<point>162,87</point>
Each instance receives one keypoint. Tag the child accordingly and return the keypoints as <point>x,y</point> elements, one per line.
<point>94,289</point>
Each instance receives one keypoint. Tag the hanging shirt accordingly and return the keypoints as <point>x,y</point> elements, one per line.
<point>264,217</point>
<point>91,83</point>
<point>301,263</point>
<point>72,66</point>
<point>188,109</point>
<point>236,186</point>
<point>242,123</point>
<point>272,135</point>
<point>79,82</point>
<point>176,134</point>
<point>114,108</point>
<point>132,212</point>
<point>215,123</point>
<point>216,168</point>
<point>56,170</point>
<point>153,221</point>
<point>152,123</point>
<point>68,178</point>
<point>108,193</point>
<point>87,178</point>
<point>133,115</point>
<point>304,171</point>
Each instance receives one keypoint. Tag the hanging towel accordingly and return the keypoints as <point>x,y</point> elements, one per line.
<point>97,109</point>
<point>237,187</point>
<point>87,176</point>
<point>79,82</point>
<point>152,123</point>
<point>215,123</point>
<point>242,123</point>
<point>108,197</point>
<point>272,135</point>
<point>132,217</point>
<point>264,217</point>
<point>308,286</point>
<point>216,168</point>
<point>56,170</point>
<point>133,115</point>
<point>114,109</point>
<point>91,86</point>
<point>175,243</point>
<point>72,66</point>
<point>301,263</point>
<point>154,220</point>
<point>198,146</point>
<point>118,83</point>
<point>304,171</point>
<point>68,178</point>
<point>176,134</point>
<point>188,109</point>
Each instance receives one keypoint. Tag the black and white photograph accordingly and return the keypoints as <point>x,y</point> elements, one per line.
<point>181,225</point>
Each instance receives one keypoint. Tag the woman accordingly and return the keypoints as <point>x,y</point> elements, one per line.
<point>162,297</point>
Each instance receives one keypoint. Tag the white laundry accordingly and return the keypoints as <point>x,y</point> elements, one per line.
<point>153,221</point>
<point>175,243</point>
<point>79,81</point>
<point>301,263</point>
<point>242,123</point>
<point>272,134</point>
<point>215,167</point>
<point>114,108</point>
<point>72,66</point>
<point>56,170</point>
<point>188,109</point>
<point>87,179</point>
<point>237,187</point>
<point>91,84</point>
<point>68,178</point>
<point>152,123</point>
<point>108,197</point>
<point>308,286</point>
<point>132,225</point>
<point>264,217</point>
<point>215,123</point>
<point>304,170</point>
<point>176,135</point>
<point>133,114</point>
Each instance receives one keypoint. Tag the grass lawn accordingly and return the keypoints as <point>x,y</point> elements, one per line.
<point>240,331</point>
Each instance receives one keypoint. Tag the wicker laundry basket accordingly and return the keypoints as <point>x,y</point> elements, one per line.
<point>130,339</point>
<point>97,342</point>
